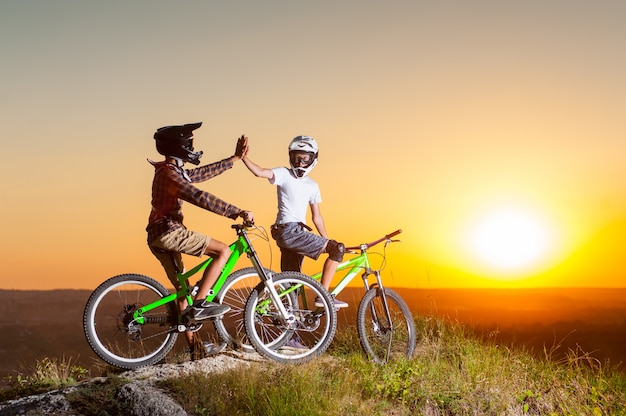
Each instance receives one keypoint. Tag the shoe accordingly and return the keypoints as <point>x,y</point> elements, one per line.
<point>211,349</point>
<point>338,303</point>
<point>201,309</point>
<point>293,346</point>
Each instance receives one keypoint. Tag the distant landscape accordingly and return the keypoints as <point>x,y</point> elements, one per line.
<point>38,324</point>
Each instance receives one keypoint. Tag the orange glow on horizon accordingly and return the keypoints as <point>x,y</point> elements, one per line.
<point>430,123</point>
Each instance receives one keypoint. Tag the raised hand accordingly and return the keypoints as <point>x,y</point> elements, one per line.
<point>242,147</point>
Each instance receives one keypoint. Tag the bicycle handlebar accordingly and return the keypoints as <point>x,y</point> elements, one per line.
<point>244,224</point>
<point>373,243</point>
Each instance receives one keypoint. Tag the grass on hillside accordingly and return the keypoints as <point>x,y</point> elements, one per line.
<point>45,375</point>
<point>453,373</point>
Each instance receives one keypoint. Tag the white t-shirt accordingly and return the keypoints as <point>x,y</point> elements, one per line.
<point>294,195</point>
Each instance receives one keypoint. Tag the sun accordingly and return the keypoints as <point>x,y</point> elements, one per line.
<point>510,239</point>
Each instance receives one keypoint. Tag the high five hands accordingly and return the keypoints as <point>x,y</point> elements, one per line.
<point>240,152</point>
<point>242,147</point>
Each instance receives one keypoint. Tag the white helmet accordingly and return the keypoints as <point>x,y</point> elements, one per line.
<point>302,166</point>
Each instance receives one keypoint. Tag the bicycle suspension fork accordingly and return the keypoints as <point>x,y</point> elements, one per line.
<point>383,296</point>
<point>266,277</point>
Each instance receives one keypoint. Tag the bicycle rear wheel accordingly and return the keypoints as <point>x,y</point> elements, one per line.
<point>383,339</point>
<point>234,293</point>
<point>305,337</point>
<point>112,332</point>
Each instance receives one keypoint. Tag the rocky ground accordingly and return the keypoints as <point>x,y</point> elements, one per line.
<point>140,396</point>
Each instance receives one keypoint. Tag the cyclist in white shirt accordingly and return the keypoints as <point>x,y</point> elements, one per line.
<point>296,191</point>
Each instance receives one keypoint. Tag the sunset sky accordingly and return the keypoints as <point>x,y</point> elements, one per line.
<point>493,133</point>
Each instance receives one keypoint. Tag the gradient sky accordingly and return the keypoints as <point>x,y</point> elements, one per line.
<point>431,117</point>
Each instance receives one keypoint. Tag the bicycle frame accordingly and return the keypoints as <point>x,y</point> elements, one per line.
<point>362,263</point>
<point>354,266</point>
<point>357,264</point>
<point>237,249</point>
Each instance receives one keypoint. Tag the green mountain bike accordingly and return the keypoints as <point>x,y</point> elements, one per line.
<point>131,320</point>
<point>385,324</point>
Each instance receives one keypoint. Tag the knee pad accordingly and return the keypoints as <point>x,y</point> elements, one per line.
<point>335,250</point>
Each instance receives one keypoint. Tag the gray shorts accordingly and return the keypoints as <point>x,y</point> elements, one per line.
<point>294,237</point>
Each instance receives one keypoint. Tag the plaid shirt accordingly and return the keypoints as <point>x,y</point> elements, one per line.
<point>173,185</point>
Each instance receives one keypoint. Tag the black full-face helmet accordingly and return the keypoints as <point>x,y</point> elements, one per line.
<point>177,141</point>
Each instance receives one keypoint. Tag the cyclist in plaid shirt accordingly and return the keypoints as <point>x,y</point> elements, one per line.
<point>167,235</point>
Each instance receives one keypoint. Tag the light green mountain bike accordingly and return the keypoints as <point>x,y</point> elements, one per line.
<point>132,320</point>
<point>385,324</point>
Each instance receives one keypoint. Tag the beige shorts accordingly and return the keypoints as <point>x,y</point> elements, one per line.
<point>168,248</point>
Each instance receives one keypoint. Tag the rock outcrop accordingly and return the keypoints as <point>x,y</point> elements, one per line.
<point>140,397</point>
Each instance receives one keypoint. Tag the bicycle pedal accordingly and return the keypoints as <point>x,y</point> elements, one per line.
<point>189,327</point>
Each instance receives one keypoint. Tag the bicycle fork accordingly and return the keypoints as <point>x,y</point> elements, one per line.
<point>268,281</point>
<point>383,296</point>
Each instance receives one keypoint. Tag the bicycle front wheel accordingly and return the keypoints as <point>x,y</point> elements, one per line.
<point>309,330</point>
<point>234,293</point>
<point>113,333</point>
<point>384,339</point>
